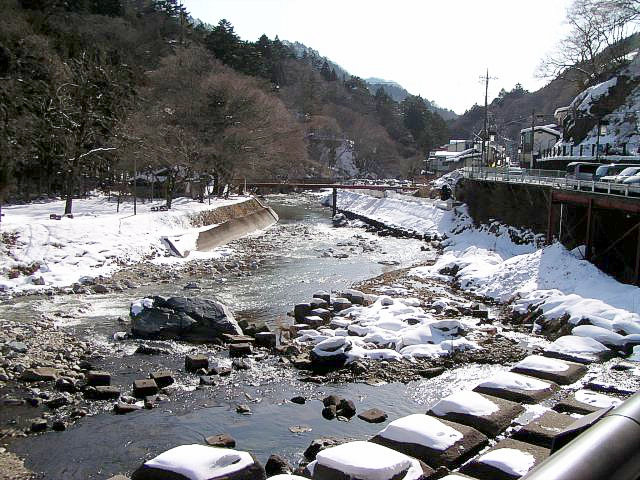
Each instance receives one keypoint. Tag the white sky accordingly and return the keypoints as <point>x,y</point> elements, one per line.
<point>435,48</point>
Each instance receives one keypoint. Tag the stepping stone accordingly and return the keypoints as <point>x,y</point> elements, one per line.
<point>195,362</point>
<point>584,402</point>
<point>508,460</point>
<point>163,378</point>
<point>323,295</point>
<point>220,368</point>
<point>314,321</point>
<point>240,349</point>
<point>558,371</point>
<point>222,440</point>
<point>544,429</point>
<point>365,460</point>
<point>456,476</point>
<point>490,415</point>
<point>300,311</point>
<point>517,388</point>
<point>200,462</point>
<point>102,393</point>
<point>578,349</point>
<point>320,312</point>
<point>144,388</point>
<point>319,303</point>
<point>434,441</point>
<point>122,408</point>
<point>266,339</point>
<point>602,335</point>
<point>40,374</point>
<point>235,339</point>
<point>373,415</point>
<point>96,378</point>
<point>340,304</point>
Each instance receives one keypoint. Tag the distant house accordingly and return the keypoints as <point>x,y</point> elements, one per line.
<point>443,161</point>
<point>533,146</point>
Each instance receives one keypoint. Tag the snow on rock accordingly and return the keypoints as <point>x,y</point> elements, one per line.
<point>201,462</point>
<point>287,476</point>
<point>510,380</point>
<point>576,345</point>
<point>139,305</point>
<point>98,240</point>
<point>542,364</point>
<point>422,430</point>
<point>601,335</point>
<point>466,402</point>
<point>597,400</point>
<point>368,461</point>
<point>509,460</point>
<point>494,264</point>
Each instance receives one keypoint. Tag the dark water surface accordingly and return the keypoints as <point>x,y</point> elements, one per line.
<point>291,268</point>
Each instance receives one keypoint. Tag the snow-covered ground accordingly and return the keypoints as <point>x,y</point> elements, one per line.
<point>492,264</point>
<point>39,253</point>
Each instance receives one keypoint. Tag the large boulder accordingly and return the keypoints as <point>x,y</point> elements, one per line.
<point>192,319</point>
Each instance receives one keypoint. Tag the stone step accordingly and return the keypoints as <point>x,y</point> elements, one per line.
<point>542,430</point>
<point>435,441</point>
<point>508,460</point>
<point>578,349</point>
<point>517,388</point>
<point>558,371</point>
<point>584,402</point>
<point>491,415</point>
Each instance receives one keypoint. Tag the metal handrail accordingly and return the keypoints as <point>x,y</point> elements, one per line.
<point>609,449</point>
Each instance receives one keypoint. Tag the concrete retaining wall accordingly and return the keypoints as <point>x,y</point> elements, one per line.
<point>230,222</point>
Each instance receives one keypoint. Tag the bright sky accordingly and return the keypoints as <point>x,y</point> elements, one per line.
<point>435,48</point>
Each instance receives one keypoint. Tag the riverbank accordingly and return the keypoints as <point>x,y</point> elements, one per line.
<point>39,253</point>
<point>508,265</point>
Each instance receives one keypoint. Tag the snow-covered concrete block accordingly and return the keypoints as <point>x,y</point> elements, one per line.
<point>558,371</point>
<point>435,441</point>
<point>366,461</point>
<point>508,460</point>
<point>516,387</point>
<point>586,401</point>
<point>578,349</point>
<point>490,415</point>
<point>602,335</point>
<point>542,430</point>
<point>200,462</point>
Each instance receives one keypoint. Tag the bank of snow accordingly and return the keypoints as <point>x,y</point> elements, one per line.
<point>38,253</point>
<point>504,264</point>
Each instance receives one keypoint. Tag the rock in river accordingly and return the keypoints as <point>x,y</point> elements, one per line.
<point>192,319</point>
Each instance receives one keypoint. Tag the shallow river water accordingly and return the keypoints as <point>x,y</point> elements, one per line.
<point>295,259</point>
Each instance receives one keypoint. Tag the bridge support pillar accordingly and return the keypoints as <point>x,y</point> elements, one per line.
<point>637,269</point>
<point>335,202</point>
<point>550,221</point>
<point>589,233</point>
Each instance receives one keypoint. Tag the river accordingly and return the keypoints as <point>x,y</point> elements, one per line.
<point>293,260</point>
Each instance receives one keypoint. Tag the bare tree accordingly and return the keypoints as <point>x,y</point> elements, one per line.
<point>597,42</point>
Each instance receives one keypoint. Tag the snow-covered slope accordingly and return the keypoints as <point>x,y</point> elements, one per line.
<point>37,252</point>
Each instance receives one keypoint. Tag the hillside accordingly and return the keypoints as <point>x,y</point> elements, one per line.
<point>89,88</point>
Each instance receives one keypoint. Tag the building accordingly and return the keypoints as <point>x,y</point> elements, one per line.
<point>533,146</point>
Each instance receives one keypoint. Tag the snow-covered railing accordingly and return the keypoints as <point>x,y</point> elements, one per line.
<point>550,178</point>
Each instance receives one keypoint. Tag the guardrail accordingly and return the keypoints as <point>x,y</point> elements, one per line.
<point>608,449</point>
<point>550,178</point>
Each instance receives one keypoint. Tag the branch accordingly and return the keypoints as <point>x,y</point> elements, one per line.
<point>96,150</point>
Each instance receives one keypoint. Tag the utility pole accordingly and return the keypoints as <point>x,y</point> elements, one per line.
<point>533,132</point>
<point>135,191</point>
<point>485,132</point>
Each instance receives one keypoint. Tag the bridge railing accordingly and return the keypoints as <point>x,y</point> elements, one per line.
<point>551,178</point>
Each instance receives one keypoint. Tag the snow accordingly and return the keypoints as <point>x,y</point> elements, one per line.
<point>97,241</point>
<point>543,364</point>
<point>139,305</point>
<point>389,329</point>
<point>597,400</point>
<point>509,460</point>
<point>422,430</point>
<point>514,381</point>
<point>602,335</point>
<point>286,476</point>
<point>578,346</point>
<point>466,402</point>
<point>200,462</point>
<point>367,461</point>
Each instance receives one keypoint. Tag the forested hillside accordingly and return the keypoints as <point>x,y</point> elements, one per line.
<point>91,89</point>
